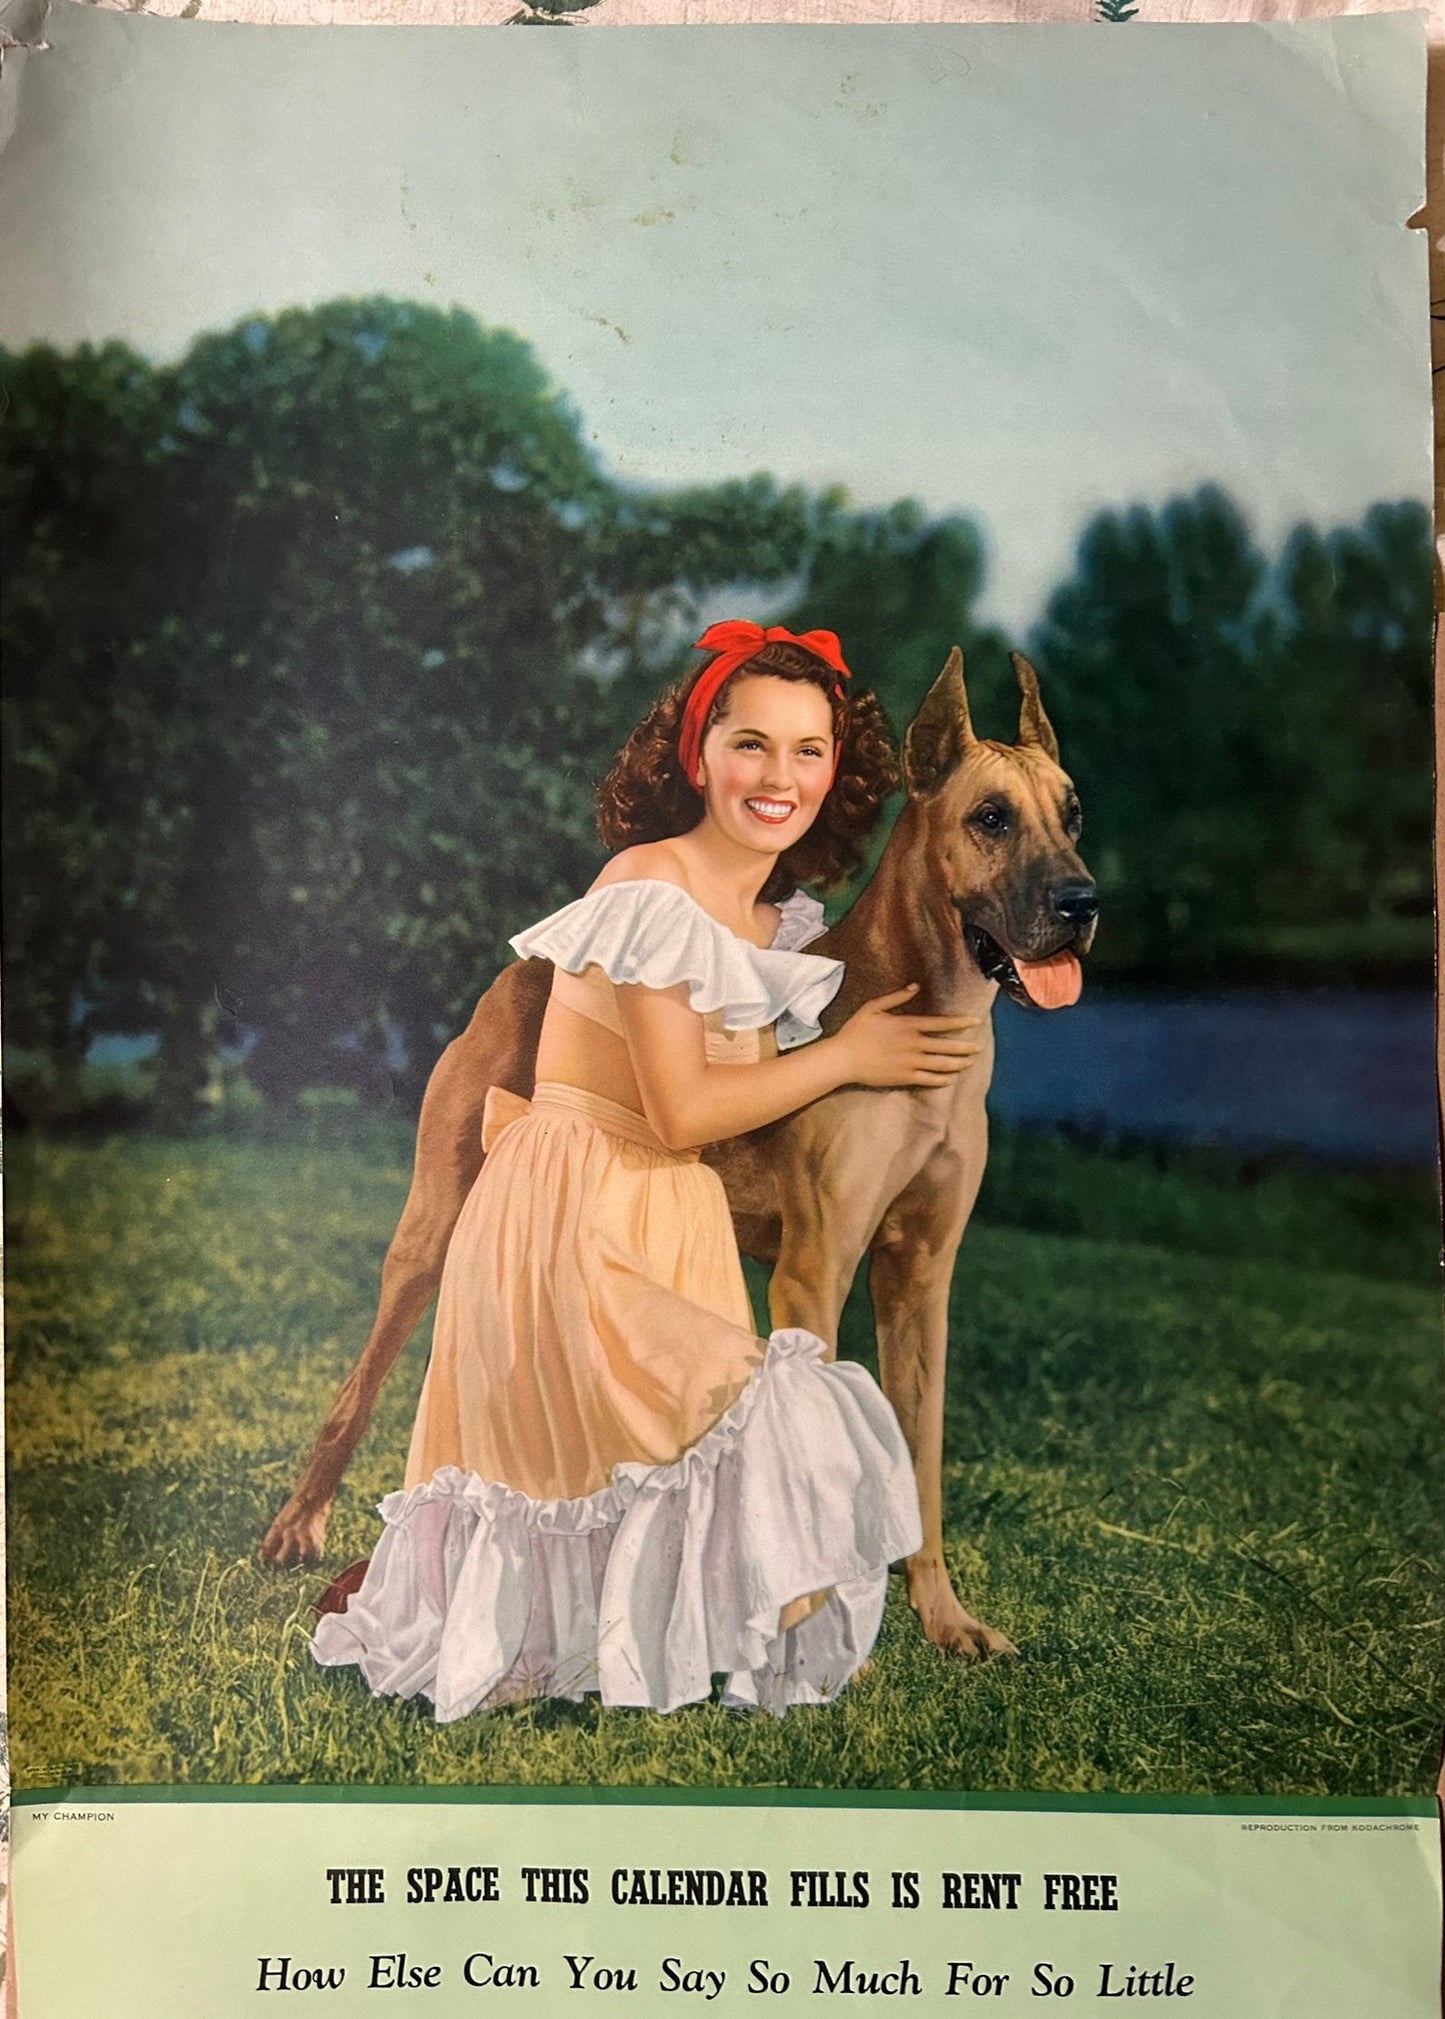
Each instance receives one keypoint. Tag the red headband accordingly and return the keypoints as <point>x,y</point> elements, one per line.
<point>735,643</point>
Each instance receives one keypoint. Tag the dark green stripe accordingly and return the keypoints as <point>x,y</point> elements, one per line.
<point>753,1798</point>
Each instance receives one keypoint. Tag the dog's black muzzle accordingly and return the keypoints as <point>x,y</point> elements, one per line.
<point>996,964</point>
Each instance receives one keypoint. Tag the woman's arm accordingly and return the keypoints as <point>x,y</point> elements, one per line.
<point>689,1101</point>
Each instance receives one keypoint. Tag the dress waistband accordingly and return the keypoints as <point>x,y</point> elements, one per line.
<point>611,1117</point>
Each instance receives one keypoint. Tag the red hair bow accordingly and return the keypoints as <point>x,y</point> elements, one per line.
<point>735,642</point>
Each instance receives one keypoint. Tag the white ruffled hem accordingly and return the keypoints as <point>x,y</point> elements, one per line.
<point>672,1574</point>
<point>656,935</point>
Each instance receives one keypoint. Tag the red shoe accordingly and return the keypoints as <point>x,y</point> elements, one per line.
<point>337,1594</point>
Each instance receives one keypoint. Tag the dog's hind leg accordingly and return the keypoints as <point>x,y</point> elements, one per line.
<point>909,1277</point>
<point>497,1049</point>
<point>442,1176</point>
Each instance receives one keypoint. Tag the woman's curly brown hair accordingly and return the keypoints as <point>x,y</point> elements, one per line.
<point>645,796</point>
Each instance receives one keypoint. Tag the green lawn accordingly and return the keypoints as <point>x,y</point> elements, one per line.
<point>1192,1470</point>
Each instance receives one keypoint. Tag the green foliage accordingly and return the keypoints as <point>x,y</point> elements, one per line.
<point>1353,713</point>
<point>360,624</point>
<point>1251,742</point>
<point>318,641</point>
<point>1216,1202</point>
<point>402,572</point>
<point>1152,684</point>
<point>899,589</point>
<point>77,512</point>
<point>1198,1489</point>
<point>1116,10</point>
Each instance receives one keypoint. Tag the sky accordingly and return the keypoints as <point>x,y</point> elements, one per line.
<point>1023,273</point>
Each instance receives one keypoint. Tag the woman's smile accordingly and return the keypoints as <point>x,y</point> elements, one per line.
<point>774,811</point>
<point>767,764</point>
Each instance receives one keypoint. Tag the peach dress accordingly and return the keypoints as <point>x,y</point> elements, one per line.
<point>613,1484</point>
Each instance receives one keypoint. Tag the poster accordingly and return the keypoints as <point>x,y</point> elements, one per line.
<point>440,391</point>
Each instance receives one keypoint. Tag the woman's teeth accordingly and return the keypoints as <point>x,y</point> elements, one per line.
<point>770,809</point>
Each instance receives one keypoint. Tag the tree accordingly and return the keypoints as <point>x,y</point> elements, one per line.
<point>84,560</point>
<point>1157,685</point>
<point>899,589</point>
<point>1354,609</point>
<point>374,626</point>
<point>1251,741</point>
<point>318,641</point>
<point>389,513</point>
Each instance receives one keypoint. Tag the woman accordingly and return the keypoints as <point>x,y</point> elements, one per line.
<point>613,1483</point>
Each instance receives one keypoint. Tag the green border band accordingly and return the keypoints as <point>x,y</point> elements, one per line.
<point>749,1798</point>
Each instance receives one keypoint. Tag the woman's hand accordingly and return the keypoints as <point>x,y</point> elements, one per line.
<point>690,1101</point>
<point>882,1049</point>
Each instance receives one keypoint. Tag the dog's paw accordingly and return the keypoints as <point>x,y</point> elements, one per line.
<point>948,1624</point>
<point>968,1638</point>
<point>297,1535</point>
<point>988,1641</point>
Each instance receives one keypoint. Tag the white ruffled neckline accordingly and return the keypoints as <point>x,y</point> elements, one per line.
<point>800,921</point>
<point>656,934</point>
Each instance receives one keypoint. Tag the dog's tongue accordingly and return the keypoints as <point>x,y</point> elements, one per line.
<point>1052,983</point>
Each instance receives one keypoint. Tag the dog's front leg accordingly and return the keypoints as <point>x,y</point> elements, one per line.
<point>909,1278</point>
<point>838,1170</point>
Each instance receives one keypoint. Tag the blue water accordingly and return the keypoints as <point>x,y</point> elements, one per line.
<point>1341,1075</point>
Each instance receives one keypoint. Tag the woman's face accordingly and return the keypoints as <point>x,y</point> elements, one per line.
<point>766,766</point>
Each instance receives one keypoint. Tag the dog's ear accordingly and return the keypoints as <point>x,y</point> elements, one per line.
<point>940,732</point>
<point>1034,726</point>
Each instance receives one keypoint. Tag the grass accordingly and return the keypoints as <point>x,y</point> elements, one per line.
<point>1196,1482</point>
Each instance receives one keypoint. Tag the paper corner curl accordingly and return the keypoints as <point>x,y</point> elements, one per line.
<point>22,23</point>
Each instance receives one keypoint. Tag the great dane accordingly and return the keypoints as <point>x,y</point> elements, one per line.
<point>980,887</point>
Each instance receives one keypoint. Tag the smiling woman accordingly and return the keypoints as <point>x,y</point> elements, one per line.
<point>614,1485</point>
<point>773,778</point>
<point>652,793</point>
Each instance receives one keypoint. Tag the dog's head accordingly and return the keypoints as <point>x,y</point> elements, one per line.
<point>1002,824</point>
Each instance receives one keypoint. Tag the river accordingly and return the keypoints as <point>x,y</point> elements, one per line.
<point>1346,1076</point>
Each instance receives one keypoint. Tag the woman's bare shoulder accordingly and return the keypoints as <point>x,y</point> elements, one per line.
<point>647,862</point>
